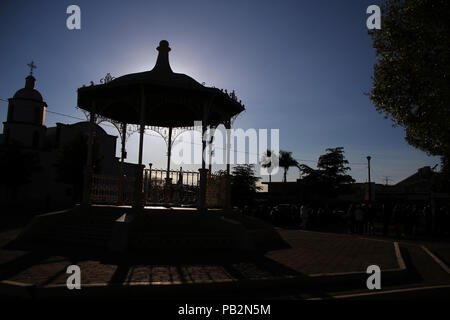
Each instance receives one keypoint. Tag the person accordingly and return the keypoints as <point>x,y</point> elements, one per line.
<point>414,220</point>
<point>440,220</point>
<point>407,220</point>
<point>297,217</point>
<point>365,218</point>
<point>293,214</point>
<point>351,218</point>
<point>273,214</point>
<point>396,219</point>
<point>428,219</point>
<point>320,216</point>
<point>402,220</point>
<point>359,219</point>
<point>386,212</point>
<point>446,221</point>
<point>370,219</point>
<point>304,215</point>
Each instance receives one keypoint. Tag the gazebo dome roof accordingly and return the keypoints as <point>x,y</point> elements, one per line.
<point>29,92</point>
<point>161,73</point>
<point>159,97</point>
<point>173,79</point>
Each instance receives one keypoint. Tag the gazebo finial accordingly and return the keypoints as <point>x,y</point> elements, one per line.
<point>162,64</point>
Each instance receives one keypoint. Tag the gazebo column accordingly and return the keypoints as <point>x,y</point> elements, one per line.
<point>138,190</point>
<point>210,156</point>
<point>228,177</point>
<point>203,173</point>
<point>88,170</point>
<point>168,184</point>
<point>210,149</point>
<point>122,160</point>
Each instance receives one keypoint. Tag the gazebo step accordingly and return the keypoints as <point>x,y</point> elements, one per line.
<point>180,241</point>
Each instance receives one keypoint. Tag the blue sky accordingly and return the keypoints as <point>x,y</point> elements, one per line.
<point>299,66</point>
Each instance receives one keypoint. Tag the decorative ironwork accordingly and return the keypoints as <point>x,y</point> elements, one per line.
<point>108,78</point>
<point>184,190</point>
<point>106,189</point>
<point>163,132</point>
<point>131,128</point>
<point>98,119</point>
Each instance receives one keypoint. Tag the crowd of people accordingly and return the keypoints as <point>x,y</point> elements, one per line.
<point>300,215</point>
<point>398,219</point>
<point>411,219</point>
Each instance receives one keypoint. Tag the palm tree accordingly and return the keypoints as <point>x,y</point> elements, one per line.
<point>287,161</point>
<point>267,162</point>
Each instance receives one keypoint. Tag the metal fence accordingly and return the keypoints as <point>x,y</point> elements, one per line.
<point>188,178</point>
<point>184,189</point>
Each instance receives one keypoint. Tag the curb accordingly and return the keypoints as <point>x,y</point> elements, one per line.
<point>436,259</point>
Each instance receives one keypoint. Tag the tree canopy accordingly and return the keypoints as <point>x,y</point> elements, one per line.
<point>330,178</point>
<point>286,161</point>
<point>243,184</point>
<point>411,83</point>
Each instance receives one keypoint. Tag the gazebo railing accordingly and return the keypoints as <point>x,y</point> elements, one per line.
<point>107,189</point>
<point>189,178</point>
<point>183,190</point>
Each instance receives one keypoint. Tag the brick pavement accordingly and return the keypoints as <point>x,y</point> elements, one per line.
<point>311,253</point>
<point>314,252</point>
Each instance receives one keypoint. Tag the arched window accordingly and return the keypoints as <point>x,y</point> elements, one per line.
<point>35,143</point>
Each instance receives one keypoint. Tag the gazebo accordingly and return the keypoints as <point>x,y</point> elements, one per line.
<point>159,98</point>
<point>163,99</point>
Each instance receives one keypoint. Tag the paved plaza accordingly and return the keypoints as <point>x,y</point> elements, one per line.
<point>312,255</point>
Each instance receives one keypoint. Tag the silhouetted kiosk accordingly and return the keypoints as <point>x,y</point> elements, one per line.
<point>158,98</point>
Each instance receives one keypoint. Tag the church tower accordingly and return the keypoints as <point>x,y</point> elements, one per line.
<point>25,124</point>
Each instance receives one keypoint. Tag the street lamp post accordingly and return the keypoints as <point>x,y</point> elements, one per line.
<point>370,186</point>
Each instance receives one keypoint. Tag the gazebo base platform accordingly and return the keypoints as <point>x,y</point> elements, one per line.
<point>121,229</point>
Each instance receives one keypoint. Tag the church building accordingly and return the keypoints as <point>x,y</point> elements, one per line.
<point>31,154</point>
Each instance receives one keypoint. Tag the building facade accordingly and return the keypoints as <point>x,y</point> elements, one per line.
<point>31,154</point>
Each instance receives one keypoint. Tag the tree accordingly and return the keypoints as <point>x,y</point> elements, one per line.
<point>411,83</point>
<point>243,184</point>
<point>330,178</point>
<point>287,161</point>
<point>72,162</point>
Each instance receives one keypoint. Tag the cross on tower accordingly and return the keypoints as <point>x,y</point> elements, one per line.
<point>32,66</point>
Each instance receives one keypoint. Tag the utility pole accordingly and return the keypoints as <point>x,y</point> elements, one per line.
<point>370,187</point>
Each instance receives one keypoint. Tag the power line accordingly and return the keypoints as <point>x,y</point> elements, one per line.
<point>192,142</point>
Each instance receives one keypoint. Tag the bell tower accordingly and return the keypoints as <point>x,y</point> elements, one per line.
<point>25,124</point>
